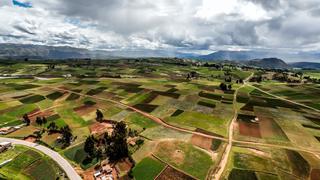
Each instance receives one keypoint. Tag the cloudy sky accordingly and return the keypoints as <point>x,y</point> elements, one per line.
<point>169,25</point>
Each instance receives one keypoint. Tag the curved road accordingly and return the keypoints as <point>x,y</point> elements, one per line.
<point>64,164</point>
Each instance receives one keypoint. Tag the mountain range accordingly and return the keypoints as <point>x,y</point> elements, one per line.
<point>253,58</point>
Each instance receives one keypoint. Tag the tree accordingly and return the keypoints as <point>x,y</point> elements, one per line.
<point>66,135</point>
<point>99,115</point>
<point>39,120</point>
<point>26,119</point>
<point>44,120</point>
<point>116,146</point>
<point>89,146</point>
<point>52,127</point>
<point>223,86</point>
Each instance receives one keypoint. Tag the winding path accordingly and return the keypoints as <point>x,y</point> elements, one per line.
<point>64,164</point>
<point>224,158</point>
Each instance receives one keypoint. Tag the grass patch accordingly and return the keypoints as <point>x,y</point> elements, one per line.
<point>147,169</point>
<point>32,99</point>
<point>190,119</point>
<point>185,156</point>
<point>239,174</point>
<point>54,95</point>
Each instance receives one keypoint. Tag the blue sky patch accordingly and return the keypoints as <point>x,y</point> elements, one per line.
<point>22,4</point>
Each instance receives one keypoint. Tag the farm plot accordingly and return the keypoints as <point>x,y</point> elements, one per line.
<point>148,168</point>
<point>32,99</point>
<point>171,173</point>
<point>202,142</point>
<point>30,164</point>
<point>55,95</point>
<point>185,157</point>
<point>79,156</point>
<point>193,120</point>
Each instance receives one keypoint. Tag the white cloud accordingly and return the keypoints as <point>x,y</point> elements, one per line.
<point>179,25</point>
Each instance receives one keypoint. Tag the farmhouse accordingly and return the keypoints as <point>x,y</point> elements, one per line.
<point>105,173</point>
<point>4,146</point>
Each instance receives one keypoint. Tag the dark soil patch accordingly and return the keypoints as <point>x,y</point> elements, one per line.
<point>171,174</point>
<point>55,95</point>
<point>314,119</point>
<point>210,105</point>
<point>21,86</point>
<point>172,90</point>
<point>299,165</point>
<point>72,97</point>
<point>318,138</point>
<point>227,102</point>
<point>312,127</point>
<point>76,90</point>
<point>129,87</point>
<point>239,174</point>
<point>96,91</point>
<point>168,94</point>
<point>32,99</point>
<point>177,113</point>
<point>145,107</point>
<point>89,103</point>
<point>150,98</point>
<point>210,96</point>
<point>208,88</point>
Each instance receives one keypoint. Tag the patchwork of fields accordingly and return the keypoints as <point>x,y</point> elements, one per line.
<point>195,116</point>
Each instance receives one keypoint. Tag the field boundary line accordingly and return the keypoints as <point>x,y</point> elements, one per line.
<point>173,166</point>
<point>161,172</point>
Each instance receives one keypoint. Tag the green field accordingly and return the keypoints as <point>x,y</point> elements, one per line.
<point>162,91</point>
<point>148,168</point>
<point>28,164</point>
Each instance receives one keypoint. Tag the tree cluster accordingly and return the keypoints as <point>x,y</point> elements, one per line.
<point>41,120</point>
<point>113,146</point>
<point>25,119</point>
<point>225,87</point>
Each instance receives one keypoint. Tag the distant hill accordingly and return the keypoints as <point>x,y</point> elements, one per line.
<point>248,55</point>
<point>233,55</point>
<point>18,51</point>
<point>305,65</point>
<point>271,63</point>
